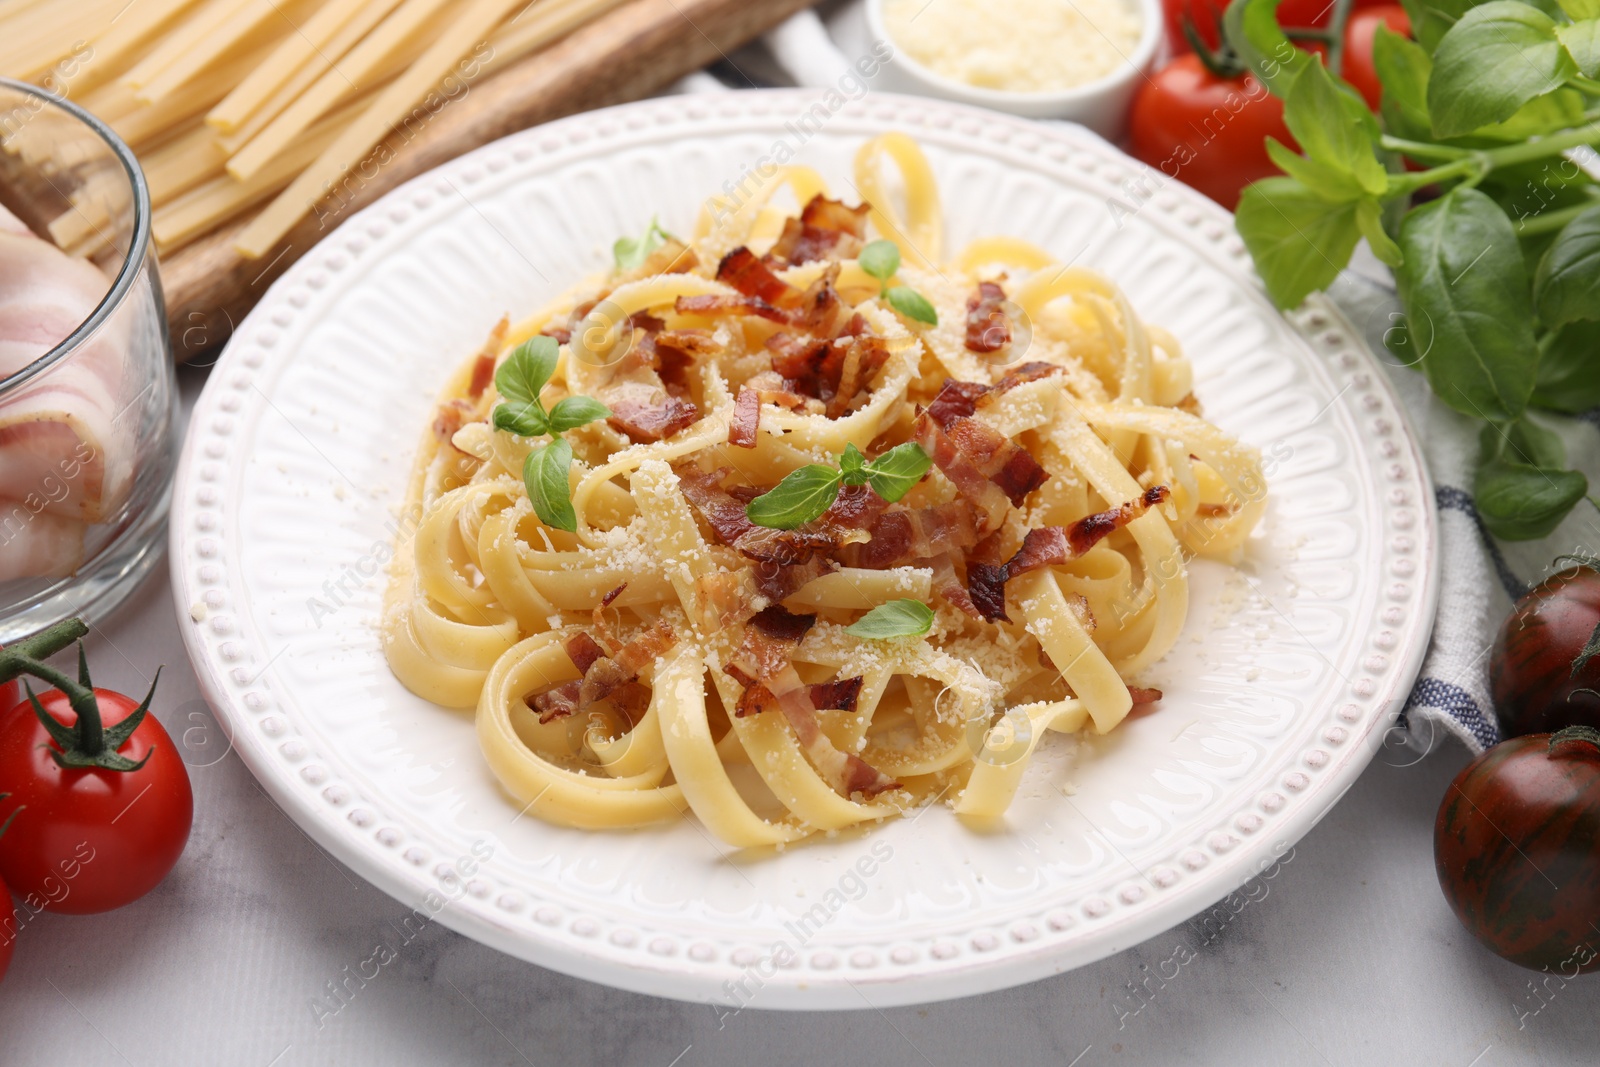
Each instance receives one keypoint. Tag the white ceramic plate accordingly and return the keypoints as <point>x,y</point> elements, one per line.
<point>1277,694</point>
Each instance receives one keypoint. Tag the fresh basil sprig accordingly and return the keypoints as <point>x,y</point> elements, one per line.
<point>631,252</point>
<point>805,494</point>
<point>1498,270</point>
<point>881,259</point>
<point>897,618</point>
<point>519,381</point>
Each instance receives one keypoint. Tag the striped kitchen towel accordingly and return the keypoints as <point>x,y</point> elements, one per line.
<point>1479,576</point>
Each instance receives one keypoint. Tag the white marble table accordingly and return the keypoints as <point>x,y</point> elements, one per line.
<point>1347,955</point>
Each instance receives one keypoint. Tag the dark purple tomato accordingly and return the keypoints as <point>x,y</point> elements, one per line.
<point>1517,847</point>
<point>1531,667</point>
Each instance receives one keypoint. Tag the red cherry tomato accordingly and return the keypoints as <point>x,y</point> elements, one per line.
<point>1531,672</point>
<point>1358,34</point>
<point>1292,14</point>
<point>89,840</point>
<point>8,931</point>
<point>1517,848</point>
<point>1206,131</point>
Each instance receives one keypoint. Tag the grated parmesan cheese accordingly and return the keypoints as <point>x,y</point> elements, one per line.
<point>1022,46</point>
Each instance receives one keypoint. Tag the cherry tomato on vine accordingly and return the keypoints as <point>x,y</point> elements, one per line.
<point>89,838</point>
<point>1292,14</point>
<point>1358,33</point>
<point>8,924</point>
<point>1206,131</point>
<point>1517,848</point>
<point>1538,673</point>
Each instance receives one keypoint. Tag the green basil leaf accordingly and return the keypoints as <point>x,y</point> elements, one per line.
<point>913,305</point>
<point>1334,127</point>
<point>1569,369</point>
<point>524,420</point>
<point>1468,304</point>
<point>880,259</point>
<point>801,497</point>
<point>1524,442</point>
<point>1369,220</point>
<point>1566,287</point>
<point>1403,69</point>
<point>575,411</point>
<point>631,252</point>
<point>1251,26</point>
<point>1579,10</point>
<point>1326,181</point>
<point>897,618</point>
<point>1582,42</point>
<point>1432,19</point>
<point>1522,503</point>
<point>527,369</point>
<point>853,466</point>
<point>545,473</point>
<point>1497,58</point>
<point>1300,241</point>
<point>1539,116</point>
<point>893,474</point>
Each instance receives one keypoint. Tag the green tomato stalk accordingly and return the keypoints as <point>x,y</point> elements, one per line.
<point>89,743</point>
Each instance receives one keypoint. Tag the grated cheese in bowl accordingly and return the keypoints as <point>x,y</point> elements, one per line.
<point>1023,46</point>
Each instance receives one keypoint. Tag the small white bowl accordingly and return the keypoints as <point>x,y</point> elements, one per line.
<point>1102,105</point>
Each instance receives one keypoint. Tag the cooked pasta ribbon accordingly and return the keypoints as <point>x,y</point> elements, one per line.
<point>668,657</point>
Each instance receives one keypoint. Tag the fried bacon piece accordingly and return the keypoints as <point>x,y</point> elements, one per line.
<point>1092,529</point>
<point>780,623</point>
<point>644,406</point>
<point>746,418</point>
<point>720,508</point>
<point>819,309</point>
<point>714,305</point>
<point>1144,696</point>
<point>450,417</point>
<point>483,366</point>
<point>798,358</point>
<point>725,514</point>
<point>1031,371</point>
<point>986,585</point>
<point>651,419</point>
<point>855,508</point>
<point>899,537</point>
<point>602,675</point>
<point>948,585</point>
<point>988,329</point>
<point>672,257</point>
<point>825,214</point>
<point>1048,545</point>
<point>674,353</point>
<point>970,481</point>
<point>744,272</point>
<point>966,450</point>
<point>763,666</point>
<point>959,400</point>
<point>826,229</point>
<point>838,695</point>
<point>773,388</point>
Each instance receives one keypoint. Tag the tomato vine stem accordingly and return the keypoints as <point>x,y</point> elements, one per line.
<point>88,743</point>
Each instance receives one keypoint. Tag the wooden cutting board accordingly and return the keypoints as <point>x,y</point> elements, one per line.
<point>636,49</point>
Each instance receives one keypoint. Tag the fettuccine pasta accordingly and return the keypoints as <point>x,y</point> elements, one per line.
<point>669,654</point>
